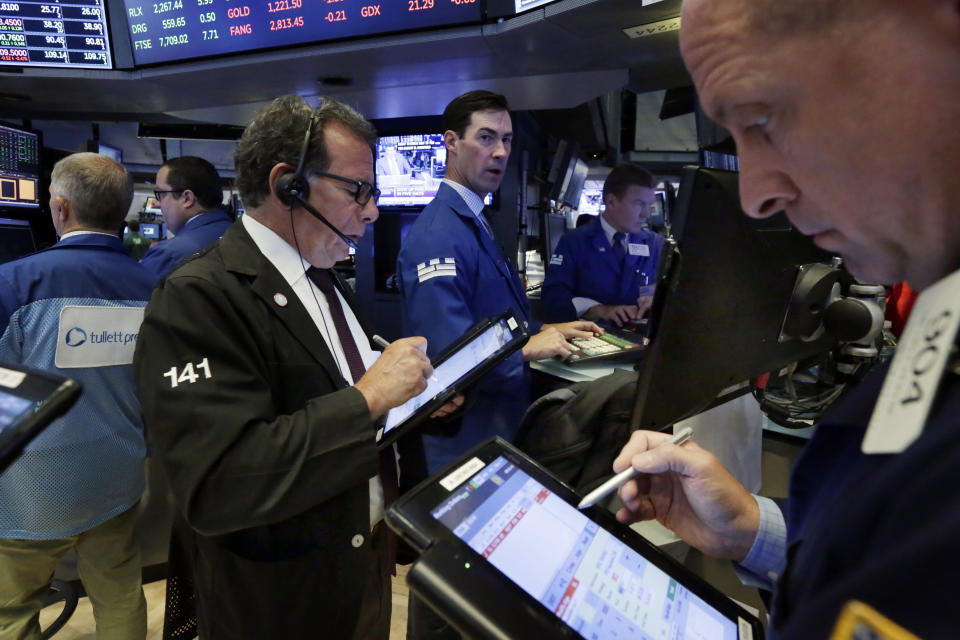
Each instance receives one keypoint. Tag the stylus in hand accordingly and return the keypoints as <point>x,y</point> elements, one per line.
<point>621,478</point>
<point>383,344</point>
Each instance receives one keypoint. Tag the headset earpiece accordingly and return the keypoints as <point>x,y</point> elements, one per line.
<point>292,188</point>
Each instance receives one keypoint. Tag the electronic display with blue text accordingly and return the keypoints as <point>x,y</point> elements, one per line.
<point>173,30</point>
<point>55,33</point>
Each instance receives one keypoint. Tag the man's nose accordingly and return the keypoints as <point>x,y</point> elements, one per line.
<point>765,188</point>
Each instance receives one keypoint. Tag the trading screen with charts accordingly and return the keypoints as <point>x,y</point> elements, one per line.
<point>19,167</point>
<point>592,581</point>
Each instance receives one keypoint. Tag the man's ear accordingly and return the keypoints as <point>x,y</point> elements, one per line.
<point>450,138</point>
<point>189,198</point>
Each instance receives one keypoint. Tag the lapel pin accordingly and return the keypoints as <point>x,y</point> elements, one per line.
<point>280,299</point>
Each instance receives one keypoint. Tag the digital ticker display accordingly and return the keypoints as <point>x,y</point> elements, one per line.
<point>172,30</point>
<point>56,33</point>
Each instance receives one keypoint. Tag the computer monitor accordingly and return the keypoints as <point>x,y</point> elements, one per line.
<point>410,168</point>
<point>591,197</point>
<point>19,168</point>
<point>150,230</point>
<point>16,239</point>
<point>554,226</point>
<point>720,303</point>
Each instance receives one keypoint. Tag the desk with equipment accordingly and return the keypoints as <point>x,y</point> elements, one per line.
<point>491,563</point>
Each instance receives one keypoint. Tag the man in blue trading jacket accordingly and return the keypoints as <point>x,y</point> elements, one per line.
<point>607,269</point>
<point>75,309</point>
<point>191,199</point>
<point>820,97</point>
<point>453,274</point>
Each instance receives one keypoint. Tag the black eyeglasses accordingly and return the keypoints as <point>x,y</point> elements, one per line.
<point>365,191</point>
<point>159,194</point>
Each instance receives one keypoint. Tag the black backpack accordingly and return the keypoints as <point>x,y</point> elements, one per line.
<point>577,431</point>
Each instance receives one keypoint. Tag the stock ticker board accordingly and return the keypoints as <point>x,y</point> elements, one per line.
<point>172,30</point>
<point>55,33</point>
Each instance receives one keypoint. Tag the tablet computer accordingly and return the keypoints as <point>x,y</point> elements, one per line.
<point>480,349</point>
<point>29,401</point>
<point>506,554</point>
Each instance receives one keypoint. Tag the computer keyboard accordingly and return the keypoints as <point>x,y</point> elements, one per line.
<point>606,345</point>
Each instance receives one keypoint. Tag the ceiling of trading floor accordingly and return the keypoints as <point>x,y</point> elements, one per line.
<point>557,56</point>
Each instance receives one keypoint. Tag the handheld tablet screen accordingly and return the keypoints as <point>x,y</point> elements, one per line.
<point>595,583</point>
<point>451,370</point>
<point>11,408</point>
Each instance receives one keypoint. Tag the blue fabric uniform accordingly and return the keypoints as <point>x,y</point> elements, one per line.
<point>470,280</point>
<point>878,528</point>
<point>583,265</point>
<point>86,467</point>
<point>198,233</point>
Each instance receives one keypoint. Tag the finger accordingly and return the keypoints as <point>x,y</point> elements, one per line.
<point>639,442</point>
<point>417,342</point>
<point>664,458</point>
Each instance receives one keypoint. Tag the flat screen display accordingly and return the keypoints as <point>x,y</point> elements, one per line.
<point>591,197</point>
<point>19,167</point>
<point>172,30</point>
<point>16,239</point>
<point>55,33</point>
<point>151,230</point>
<point>588,578</point>
<point>409,169</point>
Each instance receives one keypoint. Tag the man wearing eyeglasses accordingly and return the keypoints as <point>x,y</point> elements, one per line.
<point>191,198</point>
<point>261,392</point>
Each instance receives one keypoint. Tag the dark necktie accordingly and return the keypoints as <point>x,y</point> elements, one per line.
<point>618,251</point>
<point>324,281</point>
<point>388,468</point>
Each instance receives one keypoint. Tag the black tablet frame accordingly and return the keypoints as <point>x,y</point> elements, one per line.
<point>471,593</point>
<point>50,397</point>
<point>519,337</point>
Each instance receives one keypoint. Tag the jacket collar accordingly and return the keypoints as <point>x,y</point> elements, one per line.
<point>242,256</point>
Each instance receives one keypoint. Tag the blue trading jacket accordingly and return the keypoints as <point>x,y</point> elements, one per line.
<point>583,265</point>
<point>86,467</point>
<point>452,275</point>
<point>200,232</point>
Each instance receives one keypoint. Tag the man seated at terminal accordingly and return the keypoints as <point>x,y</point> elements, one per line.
<point>191,198</point>
<point>607,269</point>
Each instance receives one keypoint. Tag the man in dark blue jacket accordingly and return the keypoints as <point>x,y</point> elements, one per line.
<point>607,269</point>
<point>821,99</point>
<point>191,199</point>
<point>453,274</point>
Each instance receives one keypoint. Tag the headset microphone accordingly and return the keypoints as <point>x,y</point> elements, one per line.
<point>293,188</point>
<point>319,216</point>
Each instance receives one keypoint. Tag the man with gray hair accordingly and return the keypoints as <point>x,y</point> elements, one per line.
<point>845,117</point>
<point>75,310</point>
<point>261,393</point>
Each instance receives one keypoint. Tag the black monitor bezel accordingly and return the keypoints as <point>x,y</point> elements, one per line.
<point>410,517</point>
<point>701,346</point>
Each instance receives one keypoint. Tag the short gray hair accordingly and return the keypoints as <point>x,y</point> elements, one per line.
<point>276,135</point>
<point>98,188</point>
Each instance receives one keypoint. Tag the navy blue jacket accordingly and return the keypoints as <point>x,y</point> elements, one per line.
<point>470,281</point>
<point>200,232</point>
<point>583,265</point>
<point>878,528</point>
